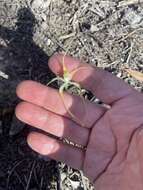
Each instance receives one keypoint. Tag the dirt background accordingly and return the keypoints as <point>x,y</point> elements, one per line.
<point>107,34</point>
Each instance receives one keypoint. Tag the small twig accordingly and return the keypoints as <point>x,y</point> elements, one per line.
<point>64,37</point>
<point>129,34</point>
<point>55,40</point>
<point>129,2</point>
<point>8,179</point>
<point>130,53</point>
<point>41,183</point>
<point>35,177</point>
<point>29,179</point>
<point>111,64</point>
<point>19,179</point>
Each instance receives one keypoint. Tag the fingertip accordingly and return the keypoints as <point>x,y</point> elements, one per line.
<point>18,110</point>
<point>41,143</point>
<point>24,111</point>
<point>31,138</point>
<point>55,63</point>
<point>23,86</point>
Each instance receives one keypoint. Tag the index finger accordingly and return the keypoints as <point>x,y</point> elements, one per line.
<point>103,84</point>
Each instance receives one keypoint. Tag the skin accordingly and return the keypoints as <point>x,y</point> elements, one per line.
<point>113,158</point>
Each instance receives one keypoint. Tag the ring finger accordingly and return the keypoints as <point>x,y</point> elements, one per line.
<point>56,150</point>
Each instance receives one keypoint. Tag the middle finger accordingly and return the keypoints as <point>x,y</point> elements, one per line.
<point>52,123</point>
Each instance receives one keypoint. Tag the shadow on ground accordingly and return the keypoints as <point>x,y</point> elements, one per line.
<point>21,59</point>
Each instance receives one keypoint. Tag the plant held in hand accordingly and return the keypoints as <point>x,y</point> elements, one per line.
<point>66,84</point>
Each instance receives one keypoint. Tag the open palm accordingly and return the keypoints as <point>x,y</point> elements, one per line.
<point>112,137</point>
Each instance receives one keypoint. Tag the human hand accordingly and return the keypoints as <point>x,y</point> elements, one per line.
<point>113,138</point>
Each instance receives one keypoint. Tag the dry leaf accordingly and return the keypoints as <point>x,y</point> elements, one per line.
<point>136,74</point>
